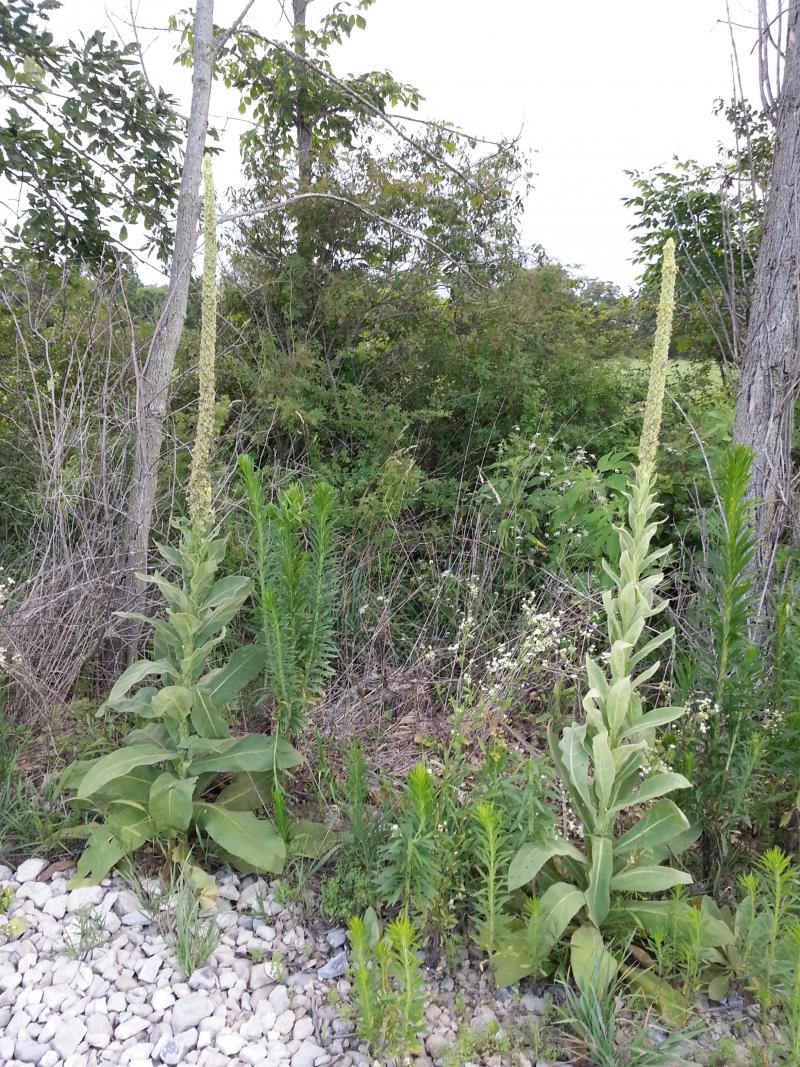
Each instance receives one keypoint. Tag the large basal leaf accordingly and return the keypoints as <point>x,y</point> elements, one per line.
<point>560,903</point>
<point>243,836</point>
<point>310,840</point>
<point>206,720</point>
<point>530,859</point>
<point>101,853</point>
<point>225,683</point>
<point>152,732</point>
<point>170,801</point>
<point>675,915</point>
<point>664,997</point>
<point>593,967</point>
<point>255,752</point>
<point>130,822</point>
<point>126,829</point>
<point>649,880</point>
<point>663,821</point>
<point>249,791</point>
<point>598,893</point>
<point>134,787</point>
<point>512,960</point>
<point>136,673</point>
<point>119,763</point>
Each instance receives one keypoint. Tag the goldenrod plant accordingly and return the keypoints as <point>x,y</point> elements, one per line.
<point>162,784</point>
<point>606,763</point>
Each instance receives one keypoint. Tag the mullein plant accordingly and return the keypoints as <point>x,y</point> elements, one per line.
<point>162,785</point>
<point>605,762</point>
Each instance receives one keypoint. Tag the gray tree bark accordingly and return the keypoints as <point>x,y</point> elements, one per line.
<point>770,370</point>
<point>153,379</point>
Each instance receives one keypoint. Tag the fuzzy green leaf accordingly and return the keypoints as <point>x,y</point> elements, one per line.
<point>651,788</point>
<point>137,672</point>
<point>255,752</point>
<point>243,836</point>
<point>170,802</point>
<point>225,683</point>
<point>649,879</point>
<point>593,966</point>
<point>119,763</point>
<point>598,894</point>
<point>205,718</point>
<point>530,859</point>
<point>658,825</point>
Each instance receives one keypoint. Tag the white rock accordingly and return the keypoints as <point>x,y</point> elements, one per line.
<point>279,999</point>
<point>30,869</point>
<point>10,980</point>
<point>303,1028</point>
<point>285,1022</point>
<point>203,978</point>
<point>229,1043</point>
<point>190,1011</point>
<point>86,896</point>
<point>251,1030</point>
<point>76,1060</point>
<point>56,906</point>
<point>28,1050</point>
<point>68,1036</point>
<point>253,1054</point>
<point>7,1043</point>
<point>98,1031</point>
<point>307,1054</point>
<point>162,999</point>
<point>38,892</point>
<point>130,1027</point>
<point>50,1058</point>
<point>170,1050</point>
<point>148,969</point>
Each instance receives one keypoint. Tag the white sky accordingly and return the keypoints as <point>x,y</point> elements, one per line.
<point>596,86</point>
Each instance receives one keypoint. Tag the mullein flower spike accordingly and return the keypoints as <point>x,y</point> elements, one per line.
<point>199,494</point>
<point>651,425</point>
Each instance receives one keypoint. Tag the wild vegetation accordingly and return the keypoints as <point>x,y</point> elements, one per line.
<point>468,599</point>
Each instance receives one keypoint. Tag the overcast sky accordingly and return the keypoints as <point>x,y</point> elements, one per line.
<point>596,88</point>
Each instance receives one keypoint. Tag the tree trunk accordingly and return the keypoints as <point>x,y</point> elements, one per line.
<point>303,130</point>
<point>153,381</point>
<point>302,122</point>
<point>770,370</point>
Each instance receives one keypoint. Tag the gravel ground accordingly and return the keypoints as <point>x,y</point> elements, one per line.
<point>272,994</point>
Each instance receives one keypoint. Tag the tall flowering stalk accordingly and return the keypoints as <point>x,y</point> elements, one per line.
<point>605,761</point>
<point>199,492</point>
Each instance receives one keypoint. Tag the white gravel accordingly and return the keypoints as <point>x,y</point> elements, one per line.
<point>259,1000</point>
